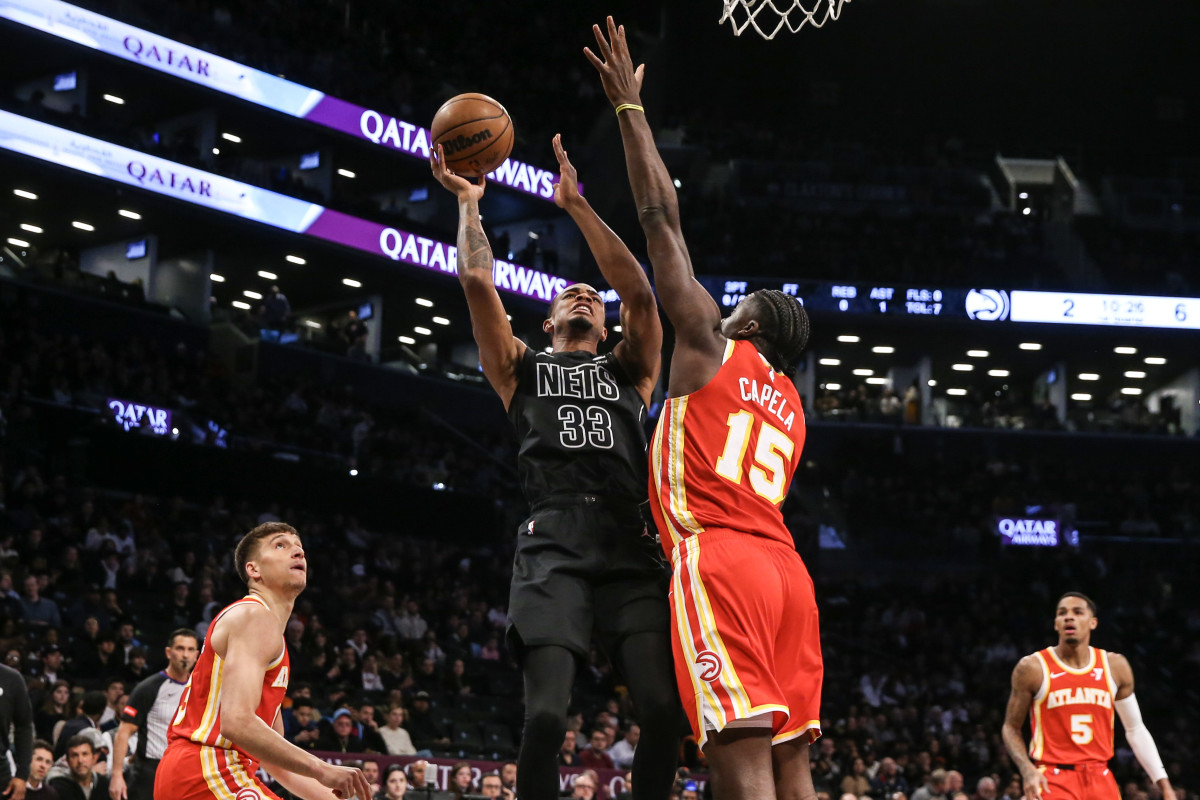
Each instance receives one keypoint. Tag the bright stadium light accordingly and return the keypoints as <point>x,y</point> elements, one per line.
<point>1131,390</point>
<point>877,381</point>
<point>616,328</point>
<point>1088,376</point>
<point>864,372</point>
<point>241,305</point>
<point>962,367</point>
<point>444,321</point>
<point>956,392</point>
<point>1135,373</point>
<point>312,323</point>
<point>270,276</point>
<point>295,260</point>
<point>229,137</point>
<point>125,212</point>
<point>998,373</point>
<point>252,295</point>
<point>1155,360</point>
<point>830,362</point>
<point>112,98</point>
<point>353,284</point>
<point>18,242</point>
<point>407,340</point>
<point>25,194</point>
<point>977,354</point>
<point>848,338</point>
<point>25,226</point>
<point>833,387</point>
<point>1030,346</point>
<point>1082,397</point>
<point>422,330</point>
<point>215,278</point>
<point>1125,351</point>
<point>883,349</point>
<point>83,226</point>
<point>345,173</point>
<point>421,301</point>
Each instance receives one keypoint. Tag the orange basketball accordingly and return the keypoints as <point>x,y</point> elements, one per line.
<point>475,133</point>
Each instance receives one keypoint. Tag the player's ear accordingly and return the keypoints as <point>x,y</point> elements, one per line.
<point>1093,623</point>
<point>548,326</point>
<point>603,334</point>
<point>749,329</point>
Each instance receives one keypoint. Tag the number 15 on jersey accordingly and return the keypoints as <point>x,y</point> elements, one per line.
<point>768,469</point>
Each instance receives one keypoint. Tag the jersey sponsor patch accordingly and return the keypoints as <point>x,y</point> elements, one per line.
<point>129,711</point>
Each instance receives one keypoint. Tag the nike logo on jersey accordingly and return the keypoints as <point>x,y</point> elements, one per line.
<point>1057,674</point>
<point>281,680</point>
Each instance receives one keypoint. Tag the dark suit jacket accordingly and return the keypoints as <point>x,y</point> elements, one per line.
<point>68,789</point>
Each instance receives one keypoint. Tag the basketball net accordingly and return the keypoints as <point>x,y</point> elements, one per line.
<point>769,17</point>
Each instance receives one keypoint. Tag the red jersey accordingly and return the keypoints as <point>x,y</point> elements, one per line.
<point>198,717</point>
<point>723,456</point>
<point>1072,713</point>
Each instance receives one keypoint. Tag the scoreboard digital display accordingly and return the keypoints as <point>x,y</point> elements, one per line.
<point>894,299</point>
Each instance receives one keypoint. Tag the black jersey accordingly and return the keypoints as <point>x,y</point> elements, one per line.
<point>580,421</point>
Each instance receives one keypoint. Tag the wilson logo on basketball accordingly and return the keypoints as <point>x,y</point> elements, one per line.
<point>710,665</point>
<point>460,142</point>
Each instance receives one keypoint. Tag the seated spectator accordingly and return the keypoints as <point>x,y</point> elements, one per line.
<point>83,782</point>
<point>303,730</point>
<point>426,732</point>
<point>367,728</point>
<point>586,785</point>
<point>395,737</point>
<point>462,779</point>
<point>567,756</point>
<point>39,612</point>
<point>37,788</point>
<point>339,737</point>
<point>395,784</point>
<point>596,755</point>
<point>857,783</point>
<point>934,787</point>
<point>622,752</point>
<point>91,709</point>
<point>52,711</point>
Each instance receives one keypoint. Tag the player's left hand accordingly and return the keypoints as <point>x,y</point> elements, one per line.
<point>622,83</point>
<point>566,191</point>
<point>15,790</point>
<point>462,188</point>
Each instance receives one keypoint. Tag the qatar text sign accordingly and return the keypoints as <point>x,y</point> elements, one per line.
<point>1028,532</point>
<point>255,86</point>
<point>106,160</point>
<point>131,415</point>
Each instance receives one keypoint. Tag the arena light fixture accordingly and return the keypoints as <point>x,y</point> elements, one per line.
<point>353,284</point>
<point>1030,346</point>
<point>83,226</point>
<point>216,151</point>
<point>932,382</point>
<point>18,242</point>
<point>312,323</point>
<point>883,349</point>
<point>1135,373</point>
<point>295,260</point>
<point>833,387</point>
<point>830,362</point>
<point>270,276</point>
<point>848,338</point>
<point>112,98</point>
<point>962,367</point>
<point>977,354</point>
<point>422,330</point>
<point>877,381</point>
<point>345,173</point>
<point>1131,390</point>
<point>1027,211</point>
<point>616,328</point>
<point>1125,351</point>
<point>998,373</point>
<point>407,340</point>
<point>1082,397</point>
<point>215,278</point>
<point>421,301</point>
<point>956,392</point>
<point>353,473</point>
<point>25,194</point>
<point>1088,376</point>
<point>1155,360</point>
<point>549,349</point>
<point>864,372</point>
<point>678,183</point>
<point>25,226</point>
<point>1023,195</point>
<point>252,295</point>
<point>444,321</point>
<point>241,305</point>
<point>229,137</point>
<point>125,212</point>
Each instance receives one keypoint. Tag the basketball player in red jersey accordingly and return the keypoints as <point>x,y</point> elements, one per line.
<point>1069,692</point>
<point>228,720</point>
<point>745,634</point>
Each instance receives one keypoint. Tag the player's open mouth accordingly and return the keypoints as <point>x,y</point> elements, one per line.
<point>584,307</point>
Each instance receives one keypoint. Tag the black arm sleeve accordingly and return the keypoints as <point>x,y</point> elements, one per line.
<point>22,732</point>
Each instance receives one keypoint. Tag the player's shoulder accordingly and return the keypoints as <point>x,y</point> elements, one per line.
<point>1029,666</point>
<point>1117,662</point>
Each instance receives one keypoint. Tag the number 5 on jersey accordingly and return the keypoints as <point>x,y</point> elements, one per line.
<point>771,454</point>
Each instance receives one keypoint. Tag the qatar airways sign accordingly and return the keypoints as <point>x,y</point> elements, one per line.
<point>131,415</point>
<point>255,86</point>
<point>114,162</point>
<point>1029,532</point>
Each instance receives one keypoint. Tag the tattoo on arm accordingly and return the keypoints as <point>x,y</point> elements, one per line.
<point>475,253</point>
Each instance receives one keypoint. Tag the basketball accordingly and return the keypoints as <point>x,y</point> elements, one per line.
<point>475,132</point>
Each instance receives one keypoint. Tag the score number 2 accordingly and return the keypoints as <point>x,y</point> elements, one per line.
<point>773,450</point>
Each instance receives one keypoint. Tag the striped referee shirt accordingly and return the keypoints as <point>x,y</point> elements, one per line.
<point>151,707</point>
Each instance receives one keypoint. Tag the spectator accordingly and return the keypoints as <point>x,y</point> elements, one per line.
<point>43,758</point>
<point>623,751</point>
<point>985,789</point>
<point>490,786</point>
<point>508,775</point>
<point>395,738</point>
<point>595,756</point>
<point>51,666</point>
<point>934,788</point>
<point>370,769</point>
<point>586,784</point>
<point>39,612</point>
<point>53,710</point>
<point>277,309</point>
<point>567,755</point>
<point>354,331</point>
<point>462,779</point>
<point>83,782</point>
<point>367,728</point>
<point>114,693</point>
<point>888,781</point>
<point>339,737</point>
<point>103,660</point>
<point>857,783</point>
<point>303,730</point>
<point>91,710</point>
<point>395,783</point>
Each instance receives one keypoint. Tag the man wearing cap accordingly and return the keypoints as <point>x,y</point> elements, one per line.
<point>340,736</point>
<point>934,788</point>
<point>52,661</point>
<point>17,715</point>
<point>422,727</point>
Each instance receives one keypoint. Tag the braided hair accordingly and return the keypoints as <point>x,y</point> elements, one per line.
<point>784,327</point>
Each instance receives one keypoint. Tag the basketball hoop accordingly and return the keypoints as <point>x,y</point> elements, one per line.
<point>769,17</point>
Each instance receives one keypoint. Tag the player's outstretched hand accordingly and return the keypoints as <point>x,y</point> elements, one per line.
<point>1034,785</point>
<point>622,83</point>
<point>347,783</point>
<point>117,790</point>
<point>462,188</point>
<point>566,191</point>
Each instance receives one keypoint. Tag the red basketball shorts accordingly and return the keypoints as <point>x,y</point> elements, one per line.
<point>745,635</point>
<point>189,771</point>
<point>1089,781</point>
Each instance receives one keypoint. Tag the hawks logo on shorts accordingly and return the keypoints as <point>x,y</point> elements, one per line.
<point>710,666</point>
<point>248,794</point>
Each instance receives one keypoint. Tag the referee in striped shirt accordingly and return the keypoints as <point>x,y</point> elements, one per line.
<point>149,712</point>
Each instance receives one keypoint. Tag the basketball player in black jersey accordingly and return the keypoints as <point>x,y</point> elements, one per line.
<point>585,560</point>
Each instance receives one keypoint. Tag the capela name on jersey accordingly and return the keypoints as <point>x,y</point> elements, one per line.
<point>769,398</point>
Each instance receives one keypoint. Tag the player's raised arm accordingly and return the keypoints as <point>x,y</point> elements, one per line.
<point>640,349</point>
<point>1136,733</point>
<point>499,351</point>
<point>1026,679</point>
<point>251,644</point>
<point>692,311</point>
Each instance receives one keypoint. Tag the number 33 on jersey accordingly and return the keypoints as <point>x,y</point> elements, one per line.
<point>723,456</point>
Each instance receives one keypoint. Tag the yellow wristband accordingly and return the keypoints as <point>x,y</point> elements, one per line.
<point>629,107</point>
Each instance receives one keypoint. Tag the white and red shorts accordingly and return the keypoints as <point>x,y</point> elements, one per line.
<point>745,636</point>
<point>190,771</point>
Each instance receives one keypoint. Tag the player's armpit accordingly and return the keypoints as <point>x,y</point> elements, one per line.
<point>1122,674</point>
<point>499,351</point>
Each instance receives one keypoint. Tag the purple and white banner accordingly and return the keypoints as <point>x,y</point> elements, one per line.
<point>255,86</point>
<point>1028,532</point>
<point>131,415</point>
<point>106,160</point>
